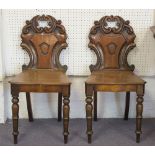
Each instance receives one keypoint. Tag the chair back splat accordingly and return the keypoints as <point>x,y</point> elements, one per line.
<point>43,38</point>
<point>111,38</point>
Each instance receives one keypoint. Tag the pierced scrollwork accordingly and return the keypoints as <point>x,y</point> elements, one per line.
<point>120,25</point>
<point>111,44</point>
<point>40,36</point>
<point>33,25</point>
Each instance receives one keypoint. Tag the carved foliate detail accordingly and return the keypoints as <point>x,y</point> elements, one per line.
<point>111,43</point>
<point>47,39</point>
<point>120,25</point>
<point>33,25</point>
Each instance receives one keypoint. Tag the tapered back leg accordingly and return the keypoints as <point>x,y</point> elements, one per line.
<point>29,106</point>
<point>127,106</point>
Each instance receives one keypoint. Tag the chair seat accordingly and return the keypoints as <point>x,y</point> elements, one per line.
<point>41,76</point>
<point>114,77</point>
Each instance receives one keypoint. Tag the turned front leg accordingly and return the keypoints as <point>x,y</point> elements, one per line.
<point>139,111</point>
<point>89,109</point>
<point>66,109</point>
<point>15,111</point>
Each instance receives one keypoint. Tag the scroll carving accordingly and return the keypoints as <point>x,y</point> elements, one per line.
<point>33,25</point>
<point>99,57</point>
<point>124,57</point>
<point>48,40</point>
<point>58,64</point>
<point>120,26</point>
<point>31,56</point>
<point>106,40</point>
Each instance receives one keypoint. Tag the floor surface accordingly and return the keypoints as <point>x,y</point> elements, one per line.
<point>47,132</point>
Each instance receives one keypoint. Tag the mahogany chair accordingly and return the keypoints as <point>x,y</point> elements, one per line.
<point>43,38</point>
<point>112,38</point>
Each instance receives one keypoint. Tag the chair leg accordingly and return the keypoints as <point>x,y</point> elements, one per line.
<point>127,106</point>
<point>59,107</point>
<point>66,109</point>
<point>89,109</point>
<point>139,110</point>
<point>29,107</point>
<point>95,105</point>
<point>15,117</point>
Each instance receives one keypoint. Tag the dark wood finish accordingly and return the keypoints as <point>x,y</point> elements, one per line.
<point>95,106</point>
<point>89,109</point>
<point>44,44</point>
<point>41,77</point>
<point>112,77</point>
<point>111,44</point>
<point>59,106</point>
<point>29,107</point>
<point>112,38</point>
<point>44,73</point>
<point>127,106</point>
<point>66,109</point>
<point>139,110</point>
<point>15,112</point>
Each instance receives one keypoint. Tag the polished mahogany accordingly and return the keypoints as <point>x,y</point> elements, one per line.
<point>112,38</point>
<point>43,38</point>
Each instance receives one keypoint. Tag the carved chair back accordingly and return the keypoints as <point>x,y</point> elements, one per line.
<point>111,38</point>
<point>43,37</point>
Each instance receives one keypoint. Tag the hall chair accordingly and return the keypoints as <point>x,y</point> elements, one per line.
<point>43,38</point>
<point>112,38</point>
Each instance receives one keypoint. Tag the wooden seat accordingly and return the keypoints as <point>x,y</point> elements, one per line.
<point>41,77</point>
<point>112,38</point>
<point>43,38</point>
<point>114,77</point>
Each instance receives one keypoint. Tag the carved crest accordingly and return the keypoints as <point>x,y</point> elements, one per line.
<point>119,25</point>
<point>111,38</point>
<point>52,24</point>
<point>43,38</point>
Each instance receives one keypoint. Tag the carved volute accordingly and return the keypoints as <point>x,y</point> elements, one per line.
<point>43,37</point>
<point>111,38</point>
